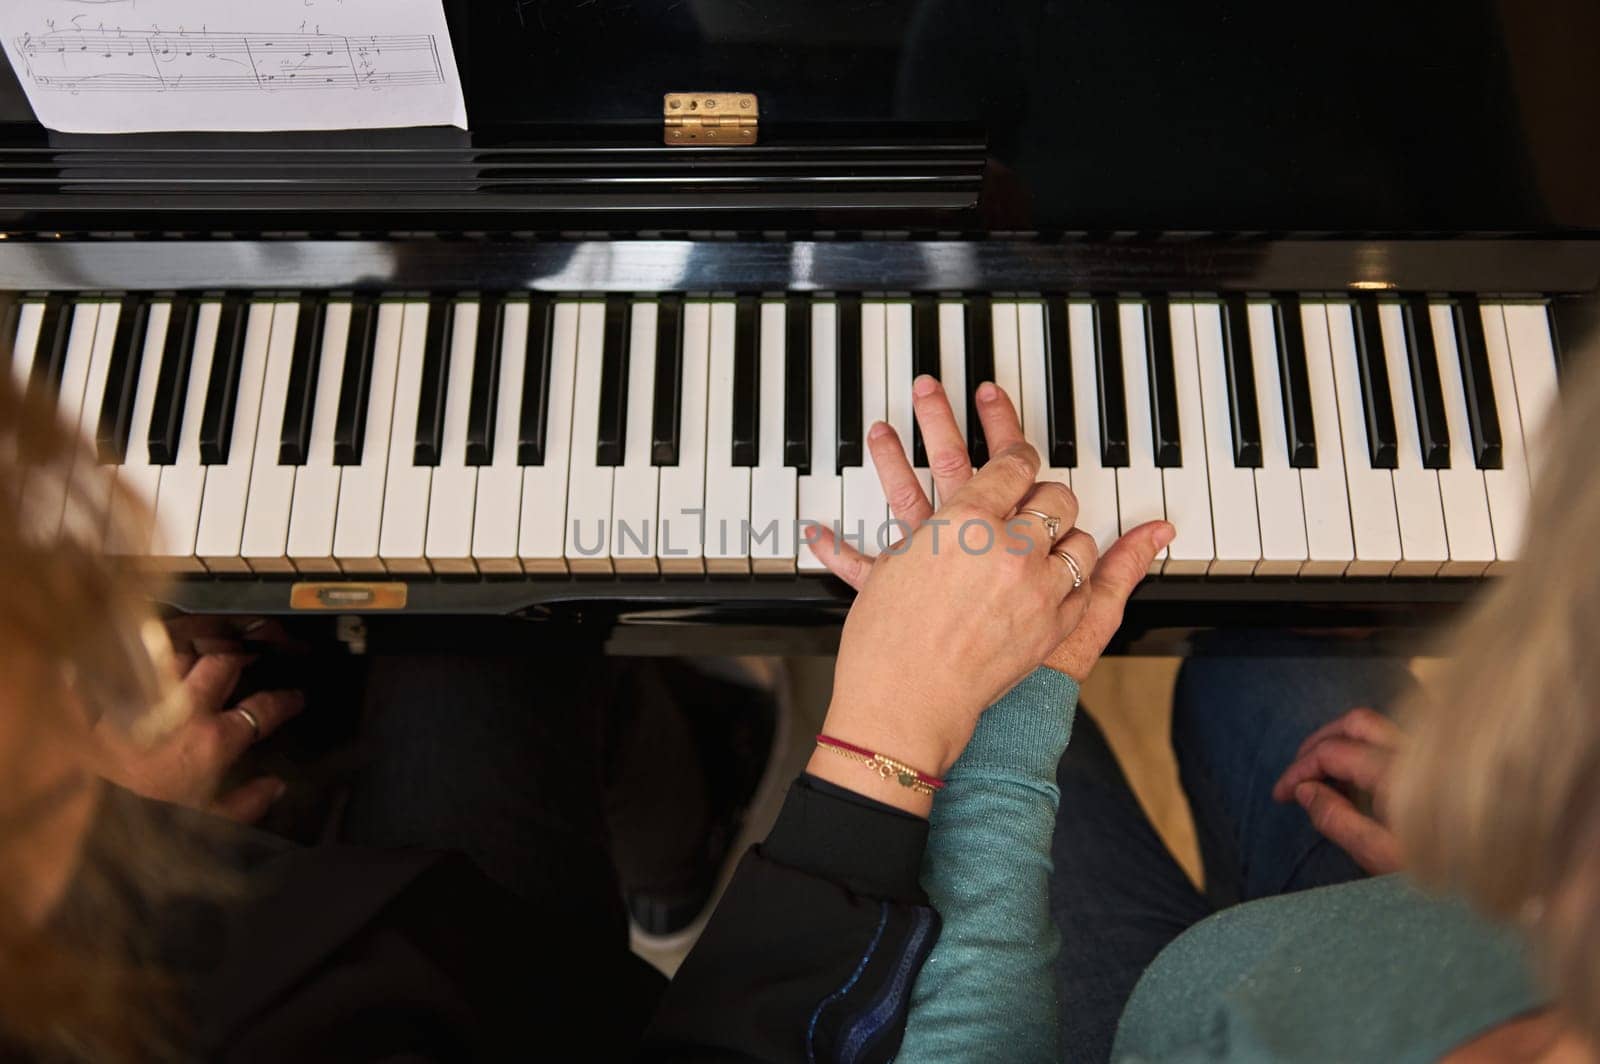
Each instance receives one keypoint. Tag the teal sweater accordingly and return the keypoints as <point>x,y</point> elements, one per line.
<point>990,981</point>
<point>1363,971</point>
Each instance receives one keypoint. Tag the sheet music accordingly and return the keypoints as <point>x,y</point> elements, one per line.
<point>125,66</point>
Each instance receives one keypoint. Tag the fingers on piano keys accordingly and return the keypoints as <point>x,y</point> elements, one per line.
<point>645,435</point>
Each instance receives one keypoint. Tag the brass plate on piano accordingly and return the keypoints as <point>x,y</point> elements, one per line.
<point>709,119</point>
<point>347,595</point>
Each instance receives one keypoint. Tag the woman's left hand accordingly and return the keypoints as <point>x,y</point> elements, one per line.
<point>187,766</point>
<point>1115,575</point>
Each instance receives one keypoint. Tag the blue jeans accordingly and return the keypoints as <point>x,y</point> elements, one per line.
<point>1117,895</point>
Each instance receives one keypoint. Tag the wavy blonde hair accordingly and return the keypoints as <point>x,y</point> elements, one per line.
<point>1498,797</point>
<point>79,650</point>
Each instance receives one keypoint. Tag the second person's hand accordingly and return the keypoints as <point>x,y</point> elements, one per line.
<point>1116,574</point>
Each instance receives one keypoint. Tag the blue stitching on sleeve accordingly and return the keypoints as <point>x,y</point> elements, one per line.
<point>861,966</point>
<point>892,996</point>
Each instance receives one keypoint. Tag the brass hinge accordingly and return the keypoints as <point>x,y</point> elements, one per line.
<point>709,119</point>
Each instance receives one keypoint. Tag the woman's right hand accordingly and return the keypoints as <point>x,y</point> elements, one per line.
<point>1349,757</point>
<point>952,617</point>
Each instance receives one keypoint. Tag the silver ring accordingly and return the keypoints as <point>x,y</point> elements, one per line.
<point>1052,525</point>
<point>1072,563</point>
<point>250,719</point>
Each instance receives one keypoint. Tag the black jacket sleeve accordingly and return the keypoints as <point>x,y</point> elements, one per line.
<point>813,949</point>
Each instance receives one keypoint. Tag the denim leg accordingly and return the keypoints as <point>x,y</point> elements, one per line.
<point>1237,722</point>
<point>1116,894</point>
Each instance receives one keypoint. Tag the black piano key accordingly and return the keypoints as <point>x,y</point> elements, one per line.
<point>350,419</point>
<point>50,356</point>
<point>8,332</point>
<point>1574,326</point>
<point>1244,413</point>
<point>746,380</point>
<point>485,383</point>
<point>222,391</point>
<point>116,407</point>
<point>1483,417</point>
<point>294,440</point>
<point>612,425</point>
<point>797,385</point>
<point>980,368</point>
<point>1063,426</point>
<point>667,419</point>
<point>924,359</point>
<point>848,381</point>
<point>1432,427</point>
<point>1377,403</point>
<point>536,382</point>
<point>172,381</point>
<point>435,377</point>
<point>1113,401</point>
<point>1163,384</point>
<point>1295,377</point>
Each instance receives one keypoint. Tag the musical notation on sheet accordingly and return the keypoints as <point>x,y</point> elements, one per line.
<point>155,61</point>
<point>221,64</point>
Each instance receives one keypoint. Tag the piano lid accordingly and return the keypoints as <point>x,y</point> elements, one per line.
<point>1096,115</point>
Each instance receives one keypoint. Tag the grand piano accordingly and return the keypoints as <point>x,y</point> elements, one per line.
<point>1307,290</point>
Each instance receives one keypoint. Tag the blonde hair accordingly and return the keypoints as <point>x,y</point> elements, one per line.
<point>80,650</point>
<point>1498,797</point>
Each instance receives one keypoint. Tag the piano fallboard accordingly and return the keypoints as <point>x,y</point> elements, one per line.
<point>1487,265</point>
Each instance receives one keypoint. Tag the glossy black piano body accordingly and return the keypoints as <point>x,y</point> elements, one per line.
<point>1028,150</point>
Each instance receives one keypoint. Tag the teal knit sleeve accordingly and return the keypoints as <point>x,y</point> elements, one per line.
<point>988,990</point>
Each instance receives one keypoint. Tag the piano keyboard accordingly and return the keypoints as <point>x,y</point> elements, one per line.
<point>548,434</point>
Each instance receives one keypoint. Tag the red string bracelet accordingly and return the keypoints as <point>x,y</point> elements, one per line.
<point>886,767</point>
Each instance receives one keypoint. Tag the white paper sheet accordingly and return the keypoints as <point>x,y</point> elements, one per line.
<point>125,66</point>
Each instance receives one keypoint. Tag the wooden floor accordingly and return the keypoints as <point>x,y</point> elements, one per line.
<point>1130,698</point>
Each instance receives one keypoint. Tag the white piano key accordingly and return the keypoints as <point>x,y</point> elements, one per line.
<point>316,484</point>
<point>899,374</point>
<point>265,544</point>
<point>138,479</point>
<point>588,536</point>
<point>1093,484</point>
<point>727,485</point>
<point>1035,383</point>
<point>402,540</point>
<point>85,522</point>
<point>1141,495</point>
<point>1330,540</point>
<point>1461,487</point>
<point>1007,364</point>
<point>1278,500</point>
<point>1418,506</point>
<point>499,502</point>
<point>542,534</point>
<point>1234,523</point>
<point>636,483</point>
<point>182,490</point>
<point>358,528</point>
<point>227,490</point>
<point>680,544</point>
<point>29,321</point>
<point>453,489</point>
<point>822,490</point>
<point>773,487</point>
<point>1508,486</point>
<point>93,393</point>
<point>1533,365</point>
<point>44,501</point>
<point>1372,513</point>
<point>1186,486</point>
<point>866,513</point>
